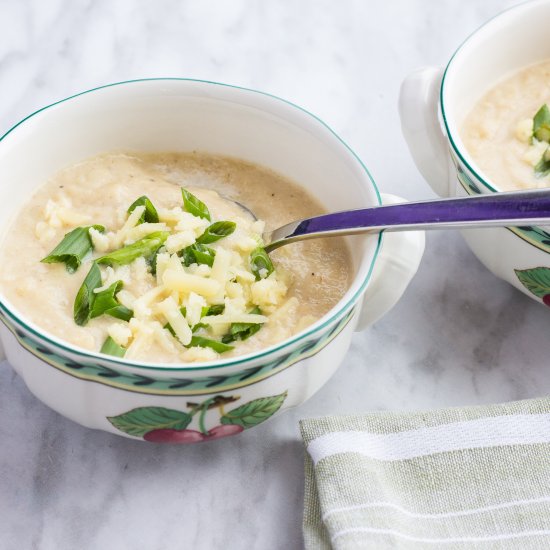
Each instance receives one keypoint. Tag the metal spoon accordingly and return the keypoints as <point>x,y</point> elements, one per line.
<point>493,210</point>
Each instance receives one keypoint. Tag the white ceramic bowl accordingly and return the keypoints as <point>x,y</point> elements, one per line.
<point>433,105</point>
<point>209,400</point>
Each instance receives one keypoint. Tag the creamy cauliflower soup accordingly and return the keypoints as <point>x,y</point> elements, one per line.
<point>508,131</point>
<point>141,256</point>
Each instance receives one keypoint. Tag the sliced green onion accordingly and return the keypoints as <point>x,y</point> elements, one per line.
<point>216,231</point>
<point>541,124</point>
<point>110,347</point>
<point>199,341</point>
<point>543,166</point>
<point>152,261</point>
<point>198,254</point>
<point>187,256</point>
<point>104,302</point>
<point>203,254</point>
<point>216,309</point>
<point>198,326</point>
<point>194,328</point>
<point>194,206</point>
<point>85,296</point>
<point>150,214</point>
<point>242,331</point>
<point>146,247</point>
<point>260,263</point>
<point>73,248</point>
<point>120,312</point>
<point>169,328</point>
<point>89,304</point>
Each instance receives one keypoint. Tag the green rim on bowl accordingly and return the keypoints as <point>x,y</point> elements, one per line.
<point>507,13</point>
<point>342,309</point>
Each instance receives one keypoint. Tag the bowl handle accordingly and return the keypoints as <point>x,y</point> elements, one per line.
<point>397,262</point>
<point>419,113</point>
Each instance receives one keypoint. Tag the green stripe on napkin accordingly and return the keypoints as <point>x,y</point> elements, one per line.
<point>476,477</point>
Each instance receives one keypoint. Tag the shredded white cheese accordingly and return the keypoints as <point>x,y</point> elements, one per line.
<point>170,292</point>
<point>143,304</point>
<point>60,213</point>
<point>122,234</point>
<point>126,298</point>
<point>142,230</point>
<point>188,221</point>
<point>200,354</point>
<point>170,216</point>
<point>524,129</point>
<point>100,241</point>
<point>169,308</point>
<point>194,306</point>
<point>179,241</point>
<point>268,292</point>
<point>184,282</point>
<point>44,232</point>
<point>120,333</point>
<point>535,152</point>
<point>162,263</point>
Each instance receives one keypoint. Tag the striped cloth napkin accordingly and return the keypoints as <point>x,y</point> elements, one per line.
<point>463,478</point>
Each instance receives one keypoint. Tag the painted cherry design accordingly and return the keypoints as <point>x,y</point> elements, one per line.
<point>170,435</point>
<point>191,436</point>
<point>163,425</point>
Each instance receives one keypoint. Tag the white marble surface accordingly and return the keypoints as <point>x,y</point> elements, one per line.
<point>458,336</point>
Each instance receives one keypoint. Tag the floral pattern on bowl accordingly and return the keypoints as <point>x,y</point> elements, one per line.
<point>163,425</point>
<point>108,373</point>
<point>536,281</point>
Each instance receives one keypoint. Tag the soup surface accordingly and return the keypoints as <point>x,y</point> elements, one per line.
<point>498,132</point>
<point>309,278</point>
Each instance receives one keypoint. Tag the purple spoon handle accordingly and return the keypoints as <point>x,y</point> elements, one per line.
<point>518,208</point>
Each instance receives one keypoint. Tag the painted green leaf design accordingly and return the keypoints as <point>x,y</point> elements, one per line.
<point>536,280</point>
<point>254,412</point>
<point>144,419</point>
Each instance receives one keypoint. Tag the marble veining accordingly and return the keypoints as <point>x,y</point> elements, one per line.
<point>459,336</point>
